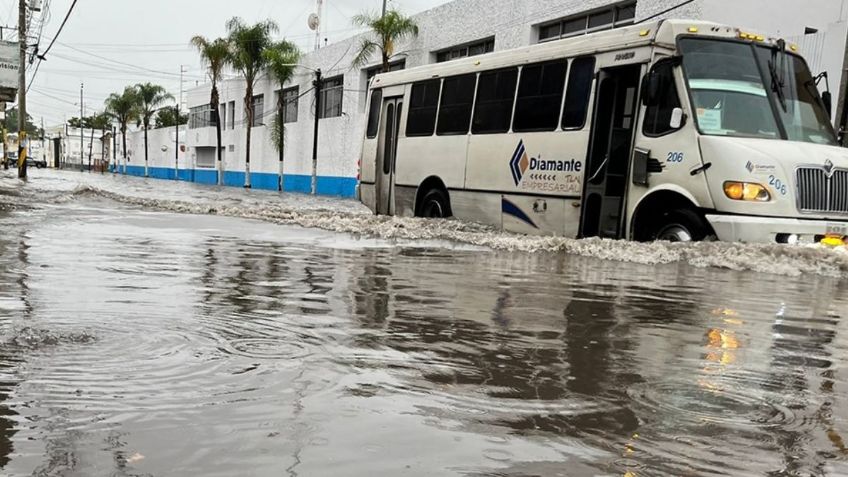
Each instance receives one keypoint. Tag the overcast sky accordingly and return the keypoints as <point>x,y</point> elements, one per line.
<point>109,44</point>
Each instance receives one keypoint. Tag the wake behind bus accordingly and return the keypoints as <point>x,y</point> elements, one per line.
<point>673,130</point>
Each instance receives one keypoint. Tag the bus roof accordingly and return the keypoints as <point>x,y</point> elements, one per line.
<point>661,33</point>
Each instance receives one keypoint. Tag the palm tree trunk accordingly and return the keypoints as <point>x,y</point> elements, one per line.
<point>124,140</point>
<point>248,104</point>
<point>145,149</point>
<point>216,107</point>
<point>280,116</point>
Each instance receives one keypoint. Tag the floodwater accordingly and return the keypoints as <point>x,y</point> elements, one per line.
<point>160,329</point>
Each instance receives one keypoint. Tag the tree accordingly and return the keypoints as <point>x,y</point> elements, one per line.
<point>102,122</point>
<point>149,98</point>
<point>167,118</point>
<point>123,109</point>
<point>11,124</point>
<point>280,59</point>
<point>247,44</point>
<point>214,55</point>
<point>388,29</point>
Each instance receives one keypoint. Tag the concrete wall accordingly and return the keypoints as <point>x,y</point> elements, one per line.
<point>513,23</point>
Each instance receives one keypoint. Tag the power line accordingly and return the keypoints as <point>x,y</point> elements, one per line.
<point>681,4</point>
<point>61,27</point>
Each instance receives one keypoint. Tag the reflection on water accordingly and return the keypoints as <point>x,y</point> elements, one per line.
<point>147,343</point>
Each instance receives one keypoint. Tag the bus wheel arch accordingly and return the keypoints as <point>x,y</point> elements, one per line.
<point>432,199</point>
<point>670,216</point>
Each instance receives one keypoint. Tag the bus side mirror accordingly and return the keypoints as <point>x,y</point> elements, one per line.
<point>827,99</point>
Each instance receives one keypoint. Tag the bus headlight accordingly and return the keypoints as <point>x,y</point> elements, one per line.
<point>746,191</point>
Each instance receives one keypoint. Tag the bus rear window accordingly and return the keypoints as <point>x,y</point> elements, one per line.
<point>423,103</point>
<point>495,98</point>
<point>374,113</point>
<point>539,97</point>
<point>577,93</point>
<point>455,108</point>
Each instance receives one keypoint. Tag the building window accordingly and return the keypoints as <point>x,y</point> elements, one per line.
<point>222,115</point>
<point>205,157</point>
<point>200,117</point>
<point>232,115</point>
<point>616,16</point>
<point>258,110</point>
<point>290,97</point>
<point>375,70</point>
<point>469,49</point>
<point>332,92</point>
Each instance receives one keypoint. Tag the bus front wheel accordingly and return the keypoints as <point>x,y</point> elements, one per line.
<point>681,225</point>
<point>435,204</point>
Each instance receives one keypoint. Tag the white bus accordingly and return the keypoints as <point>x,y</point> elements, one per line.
<point>672,130</point>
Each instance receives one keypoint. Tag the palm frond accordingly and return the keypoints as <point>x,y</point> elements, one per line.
<point>367,48</point>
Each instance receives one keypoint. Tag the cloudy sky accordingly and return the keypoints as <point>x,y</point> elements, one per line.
<point>108,44</point>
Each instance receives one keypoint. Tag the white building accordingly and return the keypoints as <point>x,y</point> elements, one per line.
<point>458,28</point>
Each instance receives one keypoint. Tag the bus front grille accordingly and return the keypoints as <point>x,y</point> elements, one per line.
<point>819,191</point>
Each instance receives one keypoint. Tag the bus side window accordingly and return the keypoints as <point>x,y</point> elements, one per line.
<point>495,98</point>
<point>374,113</point>
<point>423,103</point>
<point>578,92</point>
<point>540,92</point>
<point>456,103</point>
<point>658,113</point>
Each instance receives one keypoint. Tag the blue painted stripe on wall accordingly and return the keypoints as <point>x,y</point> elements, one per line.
<point>327,185</point>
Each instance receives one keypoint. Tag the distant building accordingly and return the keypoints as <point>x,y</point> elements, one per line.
<point>457,29</point>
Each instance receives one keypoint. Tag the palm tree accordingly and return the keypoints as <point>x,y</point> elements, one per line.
<point>102,122</point>
<point>214,54</point>
<point>388,29</point>
<point>281,58</point>
<point>149,98</point>
<point>247,44</point>
<point>122,108</point>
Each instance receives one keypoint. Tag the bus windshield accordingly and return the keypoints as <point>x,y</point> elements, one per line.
<point>753,91</point>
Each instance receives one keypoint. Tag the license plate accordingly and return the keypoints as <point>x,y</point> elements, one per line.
<point>837,229</point>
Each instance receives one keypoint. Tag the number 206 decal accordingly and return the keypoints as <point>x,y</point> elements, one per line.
<point>778,185</point>
<point>674,157</point>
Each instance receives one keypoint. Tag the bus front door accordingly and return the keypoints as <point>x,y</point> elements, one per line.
<point>610,148</point>
<point>386,159</point>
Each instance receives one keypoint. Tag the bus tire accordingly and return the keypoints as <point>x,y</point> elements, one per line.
<point>435,204</point>
<point>681,225</point>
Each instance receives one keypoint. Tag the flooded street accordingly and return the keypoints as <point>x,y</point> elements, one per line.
<point>150,328</point>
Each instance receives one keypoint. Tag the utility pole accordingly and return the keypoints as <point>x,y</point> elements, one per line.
<point>82,137</point>
<point>177,138</point>
<point>22,110</point>
<point>384,7</point>
<point>318,84</point>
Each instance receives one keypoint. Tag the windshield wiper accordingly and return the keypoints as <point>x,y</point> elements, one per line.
<point>778,75</point>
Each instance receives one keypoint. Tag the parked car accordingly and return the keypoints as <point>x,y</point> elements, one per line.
<point>31,162</point>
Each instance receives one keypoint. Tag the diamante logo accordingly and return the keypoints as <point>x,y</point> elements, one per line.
<point>750,167</point>
<point>519,163</point>
<point>828,167</point>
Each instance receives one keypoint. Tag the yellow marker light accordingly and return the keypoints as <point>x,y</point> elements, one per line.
<point>746,191</point>
<point>693,29</point>
<point>644,32</point>
<point>760,38</point>
<point>743,35</point>
<point>793,47</point>
<point>833,241</point>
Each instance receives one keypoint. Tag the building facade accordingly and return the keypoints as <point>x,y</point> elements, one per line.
<point>456,29</point>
